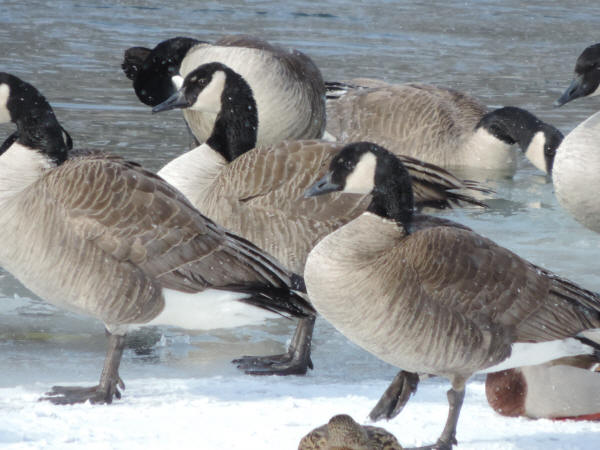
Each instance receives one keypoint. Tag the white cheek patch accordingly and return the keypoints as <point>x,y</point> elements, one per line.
<point>4,95</point>
<point>535,151</point>
<point>209,100</point>
<point>177,81</point>
<point>362,179</point>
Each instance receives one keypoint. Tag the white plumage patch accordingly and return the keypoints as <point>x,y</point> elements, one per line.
<point>538,353</point>
<point>362,179</point>
<point>209,99</point>
<point>194,172</point>
<point>177,81</point>
<point>535,151</point>
<point>4,95</point>
<point>208,310</point>
<point>486,151</point>
<point>19,167</point>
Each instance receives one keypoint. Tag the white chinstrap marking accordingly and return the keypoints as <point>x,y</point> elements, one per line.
<point>535,151</point>
<point>209,99</point>
<point>538,353</point>
<point>362,179</point>
<point>4,96</point>
<point>208,310</point>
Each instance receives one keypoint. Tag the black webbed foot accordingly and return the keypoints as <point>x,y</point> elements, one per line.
<point>69,395</point>
<point>295,362</point>
<point>284,364</point>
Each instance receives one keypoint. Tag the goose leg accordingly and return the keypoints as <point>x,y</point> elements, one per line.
<point>109,385</point>
<point>448,437</point>
<point>395,396</point>
<point>295,362</point>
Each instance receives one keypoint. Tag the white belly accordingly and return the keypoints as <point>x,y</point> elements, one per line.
<point>538,353</point>
<point>208,310</point>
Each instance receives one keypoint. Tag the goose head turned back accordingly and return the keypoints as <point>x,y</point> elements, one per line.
<point>286,85</point>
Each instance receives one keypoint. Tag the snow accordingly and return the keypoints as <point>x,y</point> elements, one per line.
<point>182,392</point>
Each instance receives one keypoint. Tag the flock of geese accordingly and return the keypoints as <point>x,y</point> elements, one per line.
<point>300,197</point>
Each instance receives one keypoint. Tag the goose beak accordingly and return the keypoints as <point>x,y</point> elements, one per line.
<point>575,90</point>
<point>322,186</point>
<point>177,100</point>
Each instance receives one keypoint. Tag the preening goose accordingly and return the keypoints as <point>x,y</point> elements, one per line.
<point>575,177</point>
<point>286,86</point>
<point>342,432</point>
<point>438,125</point>
<point>430,295</point>
<point>102,236</point>
<point>257,193</point>
<point>568,388</point>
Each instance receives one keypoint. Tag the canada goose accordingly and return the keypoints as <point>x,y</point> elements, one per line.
<point>342,432</point>
<point>430,295</point>
<point>438,125</point>
<point>258,193</point>
<point>567,388</point>
<point>286,86</point>
<point>586,82</point>
<point>575,177</point>
<point>102,236</point>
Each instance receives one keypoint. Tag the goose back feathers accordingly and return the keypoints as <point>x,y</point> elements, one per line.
<point>102,224</point>
<point>439,125</point>
<point>260,194</point>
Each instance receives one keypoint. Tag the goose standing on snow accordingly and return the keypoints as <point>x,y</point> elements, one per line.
<point>258,192</point>
<point>430,295</point>
<point>287,88</point>
<point>577,165</point>
<point>101,236</point>
<point>438,125</point>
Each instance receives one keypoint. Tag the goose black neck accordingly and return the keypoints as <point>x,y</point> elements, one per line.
<point>392,196</point>
<point>512,125</point>
<point>37,126</point>
<point>235,129</point>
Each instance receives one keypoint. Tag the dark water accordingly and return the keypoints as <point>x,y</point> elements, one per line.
<point>504,52</point>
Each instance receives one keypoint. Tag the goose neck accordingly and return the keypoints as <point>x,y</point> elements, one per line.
<point>236,127</point>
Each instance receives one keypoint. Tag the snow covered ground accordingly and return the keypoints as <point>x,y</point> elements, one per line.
<point>182,392</point>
